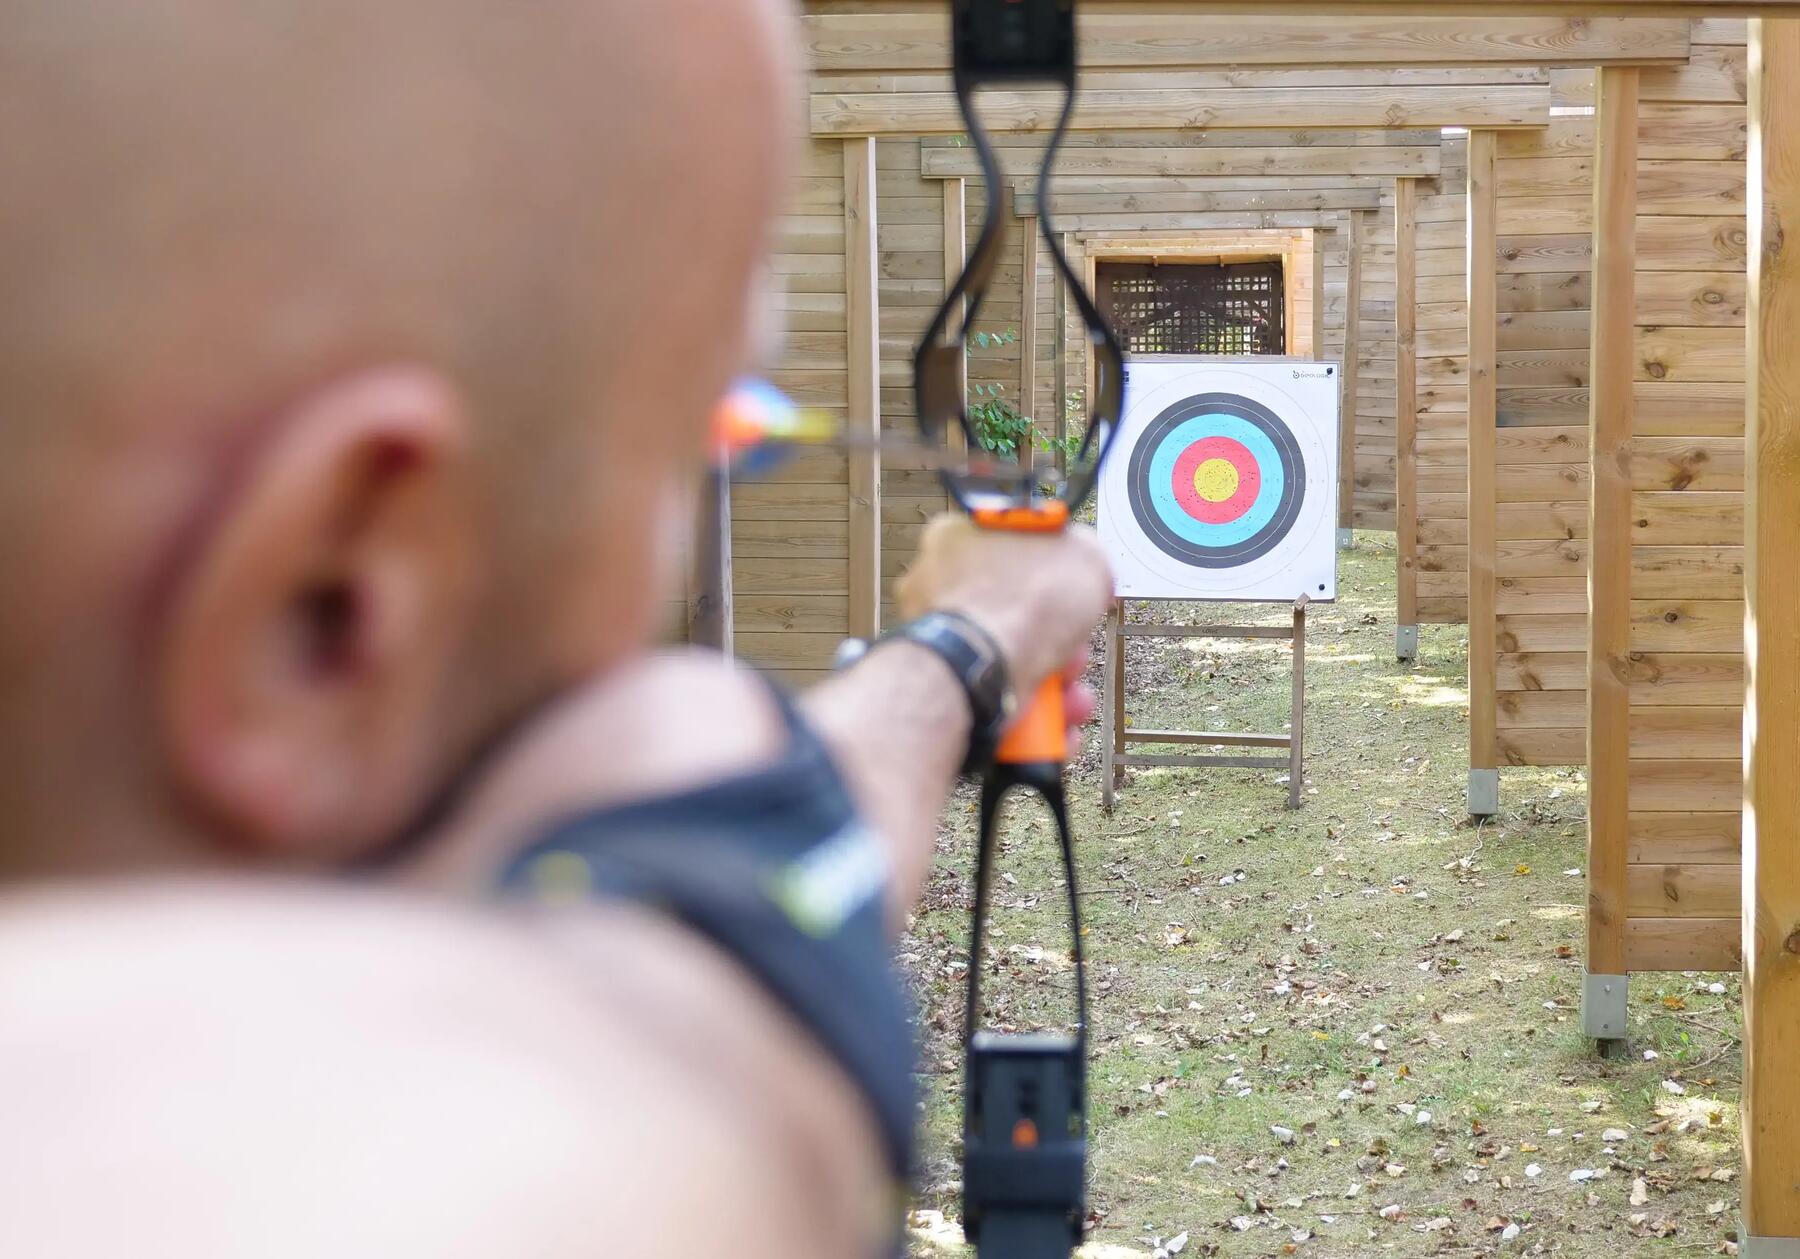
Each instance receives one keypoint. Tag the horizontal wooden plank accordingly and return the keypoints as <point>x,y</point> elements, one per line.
<point>1071,201</point>
<point>1663,464</point>
<point>1535,634</point>
<point>1528,710</point>
<point>772,614</point>
<point>1208,738</point>
<point>863,42</point>
<point>1710,626</point>
<point>1284,632</point>
<point>920,113</point>
<point>1686,786</point>
<point>1690,299</point>
<point>1541,595</point>
<point>1691,243</point>
<point>788,650</point>
<point>1680,944</point>
<point>1687,572</point>
<point>790,576</point>
<point>1676,408</point>
<point>1700,838</point>
<point>1542,671</point>
<point>1542,747</point>
<point>1665,734</point>
<point>1690,354</point>
<point>1687,517</point>
<point>1074,166</point>
<point>1693,132</point>
<point>1680,678</point>
<point>1683,891</point>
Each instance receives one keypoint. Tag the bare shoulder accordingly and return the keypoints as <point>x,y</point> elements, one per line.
<point>662,724</point>
<point>235,1069</point>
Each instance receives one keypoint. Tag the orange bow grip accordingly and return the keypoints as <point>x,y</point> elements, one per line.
<point>1040,734</point>
<point>1050,516</point>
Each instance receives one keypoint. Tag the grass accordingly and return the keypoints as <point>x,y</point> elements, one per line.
<point>1394,987</point>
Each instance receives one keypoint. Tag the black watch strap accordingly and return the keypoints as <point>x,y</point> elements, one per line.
<point>975,658</point>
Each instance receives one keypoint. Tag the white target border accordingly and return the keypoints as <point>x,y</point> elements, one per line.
<point>1303,395</point>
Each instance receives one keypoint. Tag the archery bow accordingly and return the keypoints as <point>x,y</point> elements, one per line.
<point>1025,1096</point>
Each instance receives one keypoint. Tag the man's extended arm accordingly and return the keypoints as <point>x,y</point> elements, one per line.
<point>898,722</point>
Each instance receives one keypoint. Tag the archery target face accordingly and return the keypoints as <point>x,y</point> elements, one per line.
<point>1223,484</point>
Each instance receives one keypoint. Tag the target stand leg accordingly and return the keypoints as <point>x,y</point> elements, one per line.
<point>1297,719</point>
<point>1112,708</point>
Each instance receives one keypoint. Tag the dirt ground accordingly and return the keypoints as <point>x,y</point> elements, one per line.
<point>1350,1030</point>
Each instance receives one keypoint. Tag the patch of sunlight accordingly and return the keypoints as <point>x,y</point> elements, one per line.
<point>1232,647</point>
<point>1434,696</point>
<point>1556,913</point>
<point>1458,1016</point>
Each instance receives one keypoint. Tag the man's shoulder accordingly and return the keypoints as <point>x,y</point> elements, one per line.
<point>424,1078</point>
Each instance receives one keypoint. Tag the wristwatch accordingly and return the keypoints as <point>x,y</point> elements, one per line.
<point>974,657</point>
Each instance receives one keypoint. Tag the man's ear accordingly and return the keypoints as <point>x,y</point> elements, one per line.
<point>308,651</point>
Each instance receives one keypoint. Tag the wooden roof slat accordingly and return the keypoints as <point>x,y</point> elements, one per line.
<point>1354,108</point>
<point>1273,159</point>
<point>1184,35</point>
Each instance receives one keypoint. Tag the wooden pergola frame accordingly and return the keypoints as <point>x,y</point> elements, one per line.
<point>1771,846</point>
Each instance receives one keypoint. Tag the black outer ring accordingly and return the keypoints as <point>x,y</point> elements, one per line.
<point>1259,544</point>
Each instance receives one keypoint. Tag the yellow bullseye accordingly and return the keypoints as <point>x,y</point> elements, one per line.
<point>1216,480</point>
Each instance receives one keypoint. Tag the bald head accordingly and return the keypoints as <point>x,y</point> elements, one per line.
<point>218,212</point>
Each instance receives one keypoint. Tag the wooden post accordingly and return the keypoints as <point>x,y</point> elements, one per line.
<point>1772,637</point>
<point>1609,551</point>
<point>861,287</point>
<point>1484,764</point>
<point>1118,693</point>
<point>1406,417</point>
<point>1318,292</point>
<point>1290,298</point>
<point>1297,720</point>
<point>1061,401</point>
<point>956,255</point>
<point>1028,332</point>
<point>1112,706</point>
<point>1353,238</point>
<point>709,590</point>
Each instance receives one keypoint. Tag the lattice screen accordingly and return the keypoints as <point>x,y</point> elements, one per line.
<point>1233,309</point>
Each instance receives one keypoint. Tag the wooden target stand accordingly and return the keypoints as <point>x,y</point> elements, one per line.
<point>1118,737</point>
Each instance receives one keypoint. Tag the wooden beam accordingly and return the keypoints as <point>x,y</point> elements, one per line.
<point>1157,109</point>
<point>1182,37</point>
<point>1354,231</point>
<point>1406,416</point>
<point>1194,201</point>
<point>1771,889</point>
<point>862,270</point>
<point>956,255</point>
<point>1282,156</point>
<point>709,613</point>
<point>1061,400</point>
<point>1484,764</point>
<point>1506,8</point>
<point>1028,331</point>
<point>1318,294</point>
<point>1609,549</point>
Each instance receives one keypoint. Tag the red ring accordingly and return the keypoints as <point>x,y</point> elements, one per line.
<point>1233,452</point>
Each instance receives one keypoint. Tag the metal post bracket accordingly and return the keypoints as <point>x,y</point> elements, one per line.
<point>1603,1002</point>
